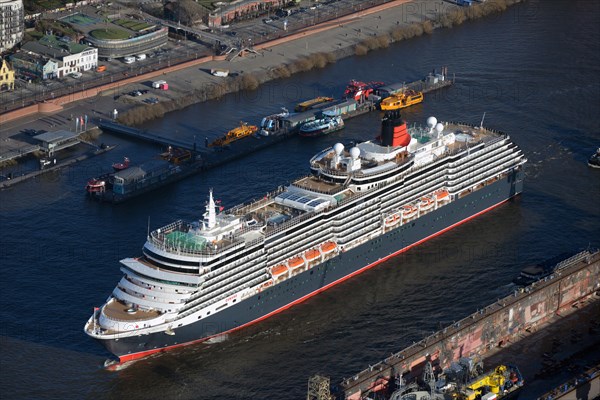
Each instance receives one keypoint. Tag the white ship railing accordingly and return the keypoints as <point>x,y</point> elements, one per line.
<point>197,307</point>
<point>231,275</point>
<point>245,208</point>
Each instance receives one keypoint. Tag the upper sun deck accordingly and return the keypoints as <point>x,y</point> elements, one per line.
<point>426,144</point>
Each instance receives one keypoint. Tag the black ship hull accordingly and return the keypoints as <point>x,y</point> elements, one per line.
<point>319,278</point>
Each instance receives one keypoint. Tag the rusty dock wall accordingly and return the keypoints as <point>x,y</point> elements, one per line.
<point>499,324</point>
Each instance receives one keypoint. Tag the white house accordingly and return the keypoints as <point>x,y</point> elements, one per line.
<point>79,62</point>
<point>71,57</point>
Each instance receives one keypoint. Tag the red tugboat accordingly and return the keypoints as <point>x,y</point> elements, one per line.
<point>360,91</point>
<point>121,166</point>
<point>95,185</point>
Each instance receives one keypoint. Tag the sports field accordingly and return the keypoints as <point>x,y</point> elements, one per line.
<point>80,19</point>
<point>132,24</point>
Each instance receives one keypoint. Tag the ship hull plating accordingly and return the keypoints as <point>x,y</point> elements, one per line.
<point>333,271</point>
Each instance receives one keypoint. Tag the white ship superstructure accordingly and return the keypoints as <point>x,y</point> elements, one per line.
<point>370,193</point>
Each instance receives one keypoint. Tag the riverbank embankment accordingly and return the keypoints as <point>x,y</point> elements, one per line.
<point>355,34</point>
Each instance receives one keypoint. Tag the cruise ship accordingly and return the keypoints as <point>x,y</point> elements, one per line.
<point>359,206</point>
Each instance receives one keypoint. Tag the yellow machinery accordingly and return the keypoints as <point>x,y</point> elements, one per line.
<point>492,382</point>
<point>401,100</point>
<point>237,133</point>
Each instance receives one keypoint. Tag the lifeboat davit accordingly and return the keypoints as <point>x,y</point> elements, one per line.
<point>442,194</point>
<point>312,254</point>
<point>95,186</point>
<point>328,247</point>
<point>408,211</point>
<point>426,203</point>
<point>296,262</point>
<point>279,270</point>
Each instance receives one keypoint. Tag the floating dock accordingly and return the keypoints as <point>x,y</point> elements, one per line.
<point>204,158</point>
<point>142,135</point>
<point>586,385</point>
<point>492,327</point>
<point>201,159</point>
<point>54,167</point>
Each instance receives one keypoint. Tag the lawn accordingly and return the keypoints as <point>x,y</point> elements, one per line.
<point>132,24</point>
<point>110,33</point>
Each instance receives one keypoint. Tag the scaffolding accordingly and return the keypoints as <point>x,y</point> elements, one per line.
<point>318,388</point>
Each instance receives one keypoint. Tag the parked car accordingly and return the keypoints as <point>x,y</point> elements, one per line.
<point>76,75</point>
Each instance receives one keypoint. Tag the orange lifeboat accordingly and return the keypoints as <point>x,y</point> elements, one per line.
<point>279,270</point>
<point>426,203</point>
<point>408,211</point>
<point>296,262</point>
<point>392,220</point>
<point>266,285</point>
<point>312,255</point>
<point>328,247</point>
<point>442,194</point>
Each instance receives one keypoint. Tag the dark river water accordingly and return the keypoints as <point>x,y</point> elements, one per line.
<point>534,70</point>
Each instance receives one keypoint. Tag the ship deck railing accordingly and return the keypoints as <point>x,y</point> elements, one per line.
<point>294,221</point>
<point>196,307</point>
<point>246,208</point>
<point>490,130</point>
<point>334,190</point>
<point>157,238</point>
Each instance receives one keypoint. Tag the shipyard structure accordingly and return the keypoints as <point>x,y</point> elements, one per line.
<point>574,280</point>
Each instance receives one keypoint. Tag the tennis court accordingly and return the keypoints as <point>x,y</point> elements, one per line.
<point>80,19</point>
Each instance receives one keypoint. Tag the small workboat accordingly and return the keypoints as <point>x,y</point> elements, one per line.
<point>401,100</point>
<point>122,165</point>
<point>322,126</point>
<point>95,185</point>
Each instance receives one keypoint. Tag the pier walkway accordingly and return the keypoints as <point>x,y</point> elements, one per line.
<point>143,135</point>
<point>12,154</point>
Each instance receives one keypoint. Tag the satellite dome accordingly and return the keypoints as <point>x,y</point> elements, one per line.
<point>354,153</point>
<point>431,122</point>
<point>338,148</point>
<point>439,127</point>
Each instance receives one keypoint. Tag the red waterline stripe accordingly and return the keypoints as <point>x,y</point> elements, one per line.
<point>135,356</point>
